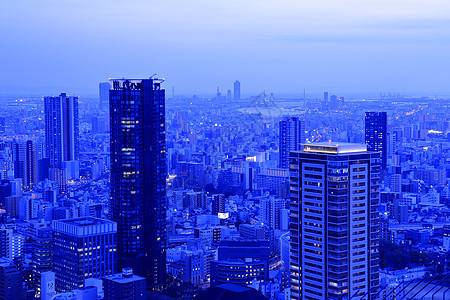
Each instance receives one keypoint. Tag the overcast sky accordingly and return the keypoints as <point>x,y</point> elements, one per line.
<point>281,46</point>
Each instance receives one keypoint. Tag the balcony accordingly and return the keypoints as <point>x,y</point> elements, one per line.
<point>335,242</point>
<point>337,256</point>
<point>338,235</point>
<point>337,263</point>
<point>337,273</point>
<point>336,228</point>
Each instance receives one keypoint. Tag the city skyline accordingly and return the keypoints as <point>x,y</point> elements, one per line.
<point>302,151</point>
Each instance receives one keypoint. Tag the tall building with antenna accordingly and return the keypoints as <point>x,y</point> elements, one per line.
<point>138,176</point>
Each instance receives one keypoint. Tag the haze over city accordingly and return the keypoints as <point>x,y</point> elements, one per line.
<point>359,47</point>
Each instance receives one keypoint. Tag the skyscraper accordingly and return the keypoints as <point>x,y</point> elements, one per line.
<point>83,248</point>
<point>334,222</point>
<point>334,102</point>
<point>376,134</point>
<point>103,94</point>
<point>270,209</point>
<point>25,163</point>
<point>292,135</point>
<point>237,90</point>
<point>61,137</point>
<point>138,176</point>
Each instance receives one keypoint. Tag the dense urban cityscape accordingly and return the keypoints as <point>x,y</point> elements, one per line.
<point>224,150</point>
<point>140,195</point>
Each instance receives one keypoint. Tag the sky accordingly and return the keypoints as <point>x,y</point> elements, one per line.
<point>282,46</point>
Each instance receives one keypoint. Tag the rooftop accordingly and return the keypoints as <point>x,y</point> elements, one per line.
<point>5,262</point>
<point>84,221</point>
<point>86,226</point>
<point>334,148</point>
<point>120,278</point>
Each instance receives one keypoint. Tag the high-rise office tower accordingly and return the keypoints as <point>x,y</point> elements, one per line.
<point>25,164</point>
<point>229,95</point>
<point>61,137</point>
<point>103,94</point>
<point>376,134</point>
<point>270,209</point>
<point>334,222</point>
<point>237,90</point>
<point>138,176</point>
<point>83,248</point>
<point>292,135</point>
<point>334,102</point>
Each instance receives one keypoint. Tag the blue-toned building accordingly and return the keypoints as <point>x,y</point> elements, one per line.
<point>41,256</point>
<point>334,222</point>
<point>103,94</point>
<point>238,271</point>
<point>237,90</point>
<point>138,176</point>
<point>292,135</point>
<point>61,137</point>
<point>244,249</point>
<point>125,285</point>
<point>10,280</point>
<point>83,248</point>
<point>376,134</point>
<point>240,261</point>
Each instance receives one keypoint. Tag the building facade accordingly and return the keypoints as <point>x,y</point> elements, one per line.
<point>10,280</point>
<point>61,138</point>
<point>138,176</point>
<point>103,94</point>
<point>25,163</point>
<point>41,256</point>
<point>237,90</point>
<point>125,285</point>
<point>334,222</point>
<point>292,136</point>
<point>271,212</point>
<point>376,134</point>
<point>218,204</point>
<point>83,248</point>
<point>240,272</point>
